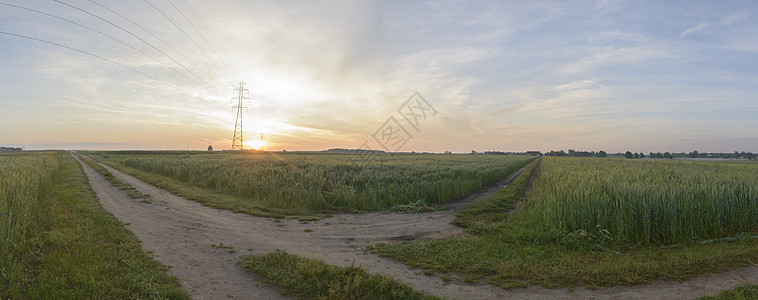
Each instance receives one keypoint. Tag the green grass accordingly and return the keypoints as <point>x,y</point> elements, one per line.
<point>313,278</point>
<point>749,292</point>
<point>527,249</point>
<point>130,190</point>
<point>489,211</point>
<point>70,247</point>
<point>306,184</point>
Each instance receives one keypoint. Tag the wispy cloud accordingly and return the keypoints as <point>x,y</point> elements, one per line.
<point>614,56</point>
<point>694,29</point>
<point>735,18</point>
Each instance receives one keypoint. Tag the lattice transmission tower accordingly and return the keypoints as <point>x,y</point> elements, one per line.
<point>242,93</point>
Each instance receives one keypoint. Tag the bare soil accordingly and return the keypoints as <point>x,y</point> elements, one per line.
<point>180,234</point>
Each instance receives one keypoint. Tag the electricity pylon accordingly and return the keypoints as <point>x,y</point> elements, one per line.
<point>237,140</point>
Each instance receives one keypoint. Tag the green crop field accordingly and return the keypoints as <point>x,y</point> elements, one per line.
<point>647,201</point>
<point>308,183</point>
<point>23,178</point>
<point>603,221</point>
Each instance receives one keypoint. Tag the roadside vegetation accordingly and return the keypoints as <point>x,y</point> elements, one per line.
<point>272,184</point>
<point>130,190</point>
<point>315,279</point>
<point>600,222</point>
<point>56,241</point>
<point>749,292</point>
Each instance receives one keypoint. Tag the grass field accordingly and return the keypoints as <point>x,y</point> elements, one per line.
<point>313,183</point>
<point>648,201</point>
<point>57,242</point>
<point>586,221</point>
<point>538,245</point>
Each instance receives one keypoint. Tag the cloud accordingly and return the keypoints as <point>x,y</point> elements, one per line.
<point>614,56</point>
<point>735,18</point>
<point>694,29</point>
<point>534,75</point>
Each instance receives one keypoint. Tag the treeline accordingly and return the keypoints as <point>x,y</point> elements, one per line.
<point>9,149</point>
<point>575,153</point>
<point>666,155</point>
<point>658,155</point>
<point>693,154</point>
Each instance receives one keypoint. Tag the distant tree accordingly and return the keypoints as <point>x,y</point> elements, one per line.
<point>572,152</point>
<point>642,155</point>
<point>448,152</point>
<point>601,153</point>
<point>473,151</point>
<point>556,153</point>
<point>628,154</point>
<point>210,148</point>
<point>636,155</point>
<point>693,154</point>
<point>668,155</point>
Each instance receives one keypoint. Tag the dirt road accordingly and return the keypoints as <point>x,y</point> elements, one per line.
<point>180,233</point>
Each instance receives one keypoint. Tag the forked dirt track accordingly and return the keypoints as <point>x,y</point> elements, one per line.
<point>180,232</point>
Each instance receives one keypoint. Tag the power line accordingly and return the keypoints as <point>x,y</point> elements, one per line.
<point>141,39</point>
<point>190,38</point>
<point>202,36</point>
<point>235,73</point>
<point>93,55</point>
<point>102,33</point>
<point>158,38</point>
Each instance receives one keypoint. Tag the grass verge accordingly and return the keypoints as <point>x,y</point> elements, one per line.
<point>517,251</point>
<point>130,190</point>
<point>749,292</point>
<point>483,213</point>
<point>74,249</point>
<point>313,278</point>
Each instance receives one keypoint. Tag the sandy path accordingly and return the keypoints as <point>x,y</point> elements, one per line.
<point>180,232</point>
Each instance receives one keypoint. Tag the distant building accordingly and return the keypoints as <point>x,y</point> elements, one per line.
<point>533,153</point>
<point>9,149</point>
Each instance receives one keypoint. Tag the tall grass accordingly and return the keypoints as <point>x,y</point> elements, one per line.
<point>23,178</point>
<point>633,201</point>
<point>323,182</point>
<point>57,242</point>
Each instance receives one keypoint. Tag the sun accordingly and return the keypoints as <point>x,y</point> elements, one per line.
<point>256,144</point>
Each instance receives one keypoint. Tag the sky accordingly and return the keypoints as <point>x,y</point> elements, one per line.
<point>645,76</point>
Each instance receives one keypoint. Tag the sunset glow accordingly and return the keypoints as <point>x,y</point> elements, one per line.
<point>256,144</point>
<point>502,75</point>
